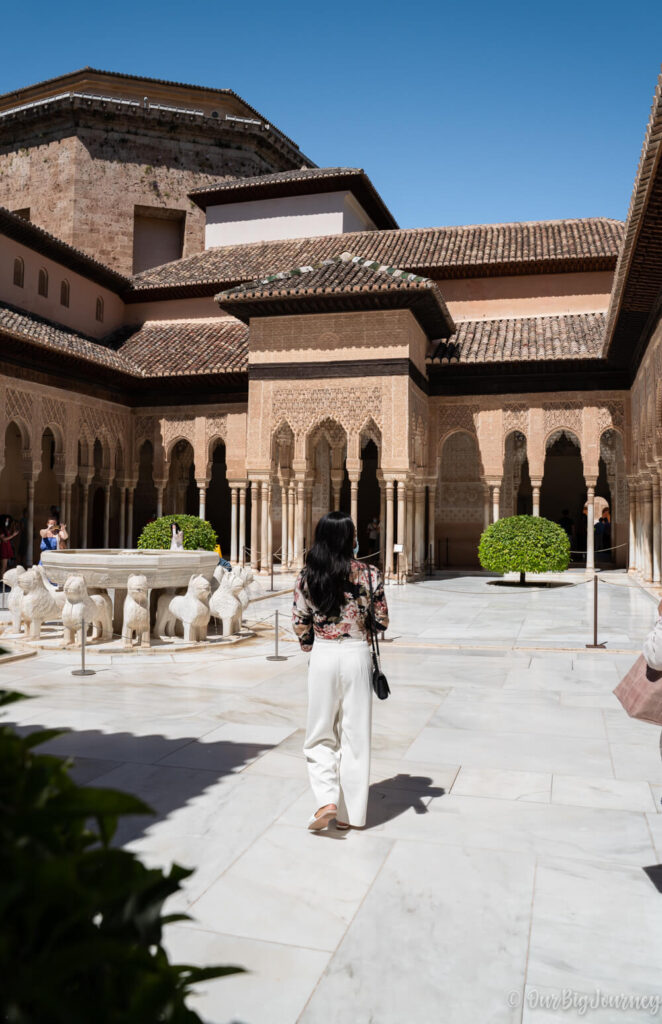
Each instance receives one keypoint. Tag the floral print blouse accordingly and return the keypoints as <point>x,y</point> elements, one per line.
<point>309,623</point>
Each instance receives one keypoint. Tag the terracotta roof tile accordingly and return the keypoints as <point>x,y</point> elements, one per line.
<point>162,348</point>
<point>569,336</point>
<point>343,283</point>
<point>439,252</point>
<point>46,333</point>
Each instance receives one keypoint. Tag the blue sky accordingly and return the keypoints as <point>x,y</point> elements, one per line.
<point>460,113</point>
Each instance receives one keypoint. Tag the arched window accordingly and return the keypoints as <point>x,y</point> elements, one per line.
<point>100,309</point>
<point>43,282</point>
<point>19,272</point>
<point>64,293</point>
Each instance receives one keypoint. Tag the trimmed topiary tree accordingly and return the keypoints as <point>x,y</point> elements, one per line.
<point>524,544</point>
<point>198,533</point>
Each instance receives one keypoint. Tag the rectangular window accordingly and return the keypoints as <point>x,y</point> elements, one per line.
<point>158,236</point>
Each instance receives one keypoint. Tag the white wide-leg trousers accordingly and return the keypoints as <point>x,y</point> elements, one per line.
<point>337,745</point>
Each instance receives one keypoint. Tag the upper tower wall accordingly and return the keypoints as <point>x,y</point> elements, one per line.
<point>105,161</point>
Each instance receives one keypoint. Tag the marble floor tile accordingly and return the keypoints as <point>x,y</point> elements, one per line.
<point>277,984</point>
<point>410,938</point>
<point>230,743</point>
<point>612,794</point>
<point>657,796</point>
<point>504,785</point>
<point>514,718</point>
<point>638,760</point>
<point>655,825</point>
<point>515,751</point>
<point>294,887</point>
<point>541,829</point>
<point>574,943</point>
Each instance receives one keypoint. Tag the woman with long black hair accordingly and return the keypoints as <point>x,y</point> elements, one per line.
<point>330,617</point>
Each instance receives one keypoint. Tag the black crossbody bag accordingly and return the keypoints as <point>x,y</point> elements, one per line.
<point>379,681</point>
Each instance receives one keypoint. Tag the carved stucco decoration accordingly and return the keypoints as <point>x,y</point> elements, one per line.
<point>305,409</point>
<point>563,414</point>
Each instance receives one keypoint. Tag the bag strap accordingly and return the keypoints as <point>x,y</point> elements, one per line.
<point>373,628</point>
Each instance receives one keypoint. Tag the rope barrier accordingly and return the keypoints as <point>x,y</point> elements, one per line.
<point>599,551</point>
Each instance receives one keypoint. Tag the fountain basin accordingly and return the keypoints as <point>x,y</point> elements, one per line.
<point>110,568</point>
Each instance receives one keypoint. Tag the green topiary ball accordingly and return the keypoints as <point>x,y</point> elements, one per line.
<point>198,533</point>
<point>524,544</point>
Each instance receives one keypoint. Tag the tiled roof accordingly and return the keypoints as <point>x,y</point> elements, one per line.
<point>304,181</point>
<point>17,94</point>
<point>638,278</point>
<point>166,347</point>
<point>474,250</point>
<point>569,336</point>
<point>340,284</point>
<point>35,238</point>
<point>34,329</point>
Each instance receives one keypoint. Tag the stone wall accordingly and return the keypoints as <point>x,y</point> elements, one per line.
<point>82,176</point>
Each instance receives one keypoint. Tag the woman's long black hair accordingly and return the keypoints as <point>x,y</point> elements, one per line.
<point>328,562</point>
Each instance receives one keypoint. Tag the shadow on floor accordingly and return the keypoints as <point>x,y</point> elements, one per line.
<point>655,874</point>
<point>544,585</point>
<point>137,761</point>
<point>394,796</point>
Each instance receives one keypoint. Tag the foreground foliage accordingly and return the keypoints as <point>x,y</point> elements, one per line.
<point>198,533</point>
<point>524,544</point>
<point>80,922</point>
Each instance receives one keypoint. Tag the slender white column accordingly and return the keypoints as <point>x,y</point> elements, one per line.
<point>647,526</point>
<point>487,509</point>
<point>309,516</point>
<point>241,554</point>
<point>409,530</point>
<point>657,531</point>
<point>159,500</point>
<point>106,515</point>
<point>632,535</point>
<point>122,540</point>
<point>85,513</point>
<point>496,497</point>
<point>264,531</point>
<point>270,529</point>
<point>432,511</point>
<point>590,528</point>
<point>202,493</point>
<point>354,500</point>
<point>291,498</point>
<point>388,555</point>
<point>29,547</point>
<point>129,518</point>
<point>298,541</point>
<point>382,523</point>
<point>402,521</point>
<point>255,524</point>
<point>536,498</point>
<point>284,558</point>
<point>233,526</point>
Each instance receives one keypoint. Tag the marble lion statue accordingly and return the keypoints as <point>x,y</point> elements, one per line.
<point>253,587</point>
<point>93,608</point>
<point>52,589</point>
<point>37,603</point>
<point>15,596</point>
<point>242,593</point>
<point>191,608</point>
<point>136,612</point>
<point>219,573</point>
<point>225,604</point>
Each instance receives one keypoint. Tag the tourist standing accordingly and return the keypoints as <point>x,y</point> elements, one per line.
<point>8,530</point>
<point>374,530</point>
<point>176,537</point>
<point>331,619</point>
<point>54,537</point>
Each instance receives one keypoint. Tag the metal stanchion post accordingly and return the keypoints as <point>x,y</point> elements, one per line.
<point>82,671</point>
<point>595,616</point>
<point>276,656</point>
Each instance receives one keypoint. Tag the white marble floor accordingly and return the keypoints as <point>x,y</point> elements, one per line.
<point>513,809</point>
